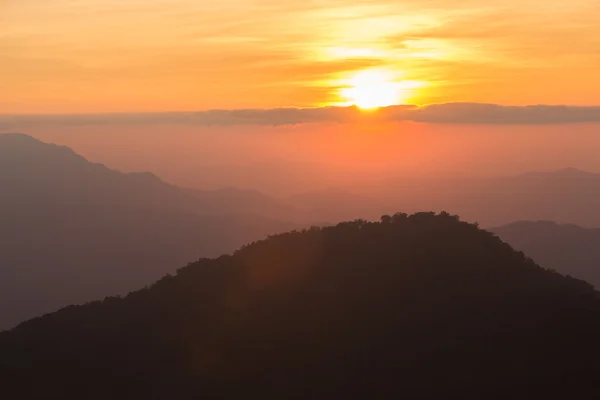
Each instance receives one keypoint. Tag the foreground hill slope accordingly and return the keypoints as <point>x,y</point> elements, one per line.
<point>566,248</point>
<point>72,231</point>
<point>420,306</point>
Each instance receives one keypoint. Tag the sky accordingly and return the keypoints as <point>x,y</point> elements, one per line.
<point>100,56</point>
<point>298,95</point>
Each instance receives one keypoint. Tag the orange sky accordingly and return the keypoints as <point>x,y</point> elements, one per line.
<point>88,56</point>
<point>298,158</point>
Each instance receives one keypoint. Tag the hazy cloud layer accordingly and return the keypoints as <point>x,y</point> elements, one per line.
<point>450,113</point>
<point>473,113</point>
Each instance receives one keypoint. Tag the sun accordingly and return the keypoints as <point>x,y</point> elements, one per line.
<point>373,89</point>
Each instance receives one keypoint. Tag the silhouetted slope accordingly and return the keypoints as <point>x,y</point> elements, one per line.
<point>72,231</point>
<point>32,171</point>
<point>414,307</point>
<point>566,248</point>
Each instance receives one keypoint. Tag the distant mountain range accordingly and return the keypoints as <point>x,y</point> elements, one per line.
<point>566,248</point>
<point>72,231</point>
<point>564,196</point>
<point>413,307</point>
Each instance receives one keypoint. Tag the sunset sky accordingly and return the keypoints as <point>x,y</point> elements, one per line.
<point>96,56</point>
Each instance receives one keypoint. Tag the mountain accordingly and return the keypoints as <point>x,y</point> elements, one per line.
<point>418,307</point>
<point>72,231</point>
<point>565,196</point>
<point>32,171</point>
<point>566,248</point>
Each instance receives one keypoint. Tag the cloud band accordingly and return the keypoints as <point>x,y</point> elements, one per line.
<point>449,113</point>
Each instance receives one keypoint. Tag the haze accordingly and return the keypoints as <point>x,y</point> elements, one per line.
<point>299,199</point>
<point>307,156</point>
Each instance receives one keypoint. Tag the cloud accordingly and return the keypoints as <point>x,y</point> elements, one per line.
<point>449,113</point>
<point>474,113</point>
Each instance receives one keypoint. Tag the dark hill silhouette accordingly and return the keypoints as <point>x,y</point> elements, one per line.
<point>72,231</point>
<point>566,248</point>
<point>421,306</point>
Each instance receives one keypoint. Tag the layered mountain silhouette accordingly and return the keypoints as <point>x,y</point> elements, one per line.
<point>422,306</point>
<point>63,216</point>
<point>34,169</point>
<point>565,196</point>
<point>72,231</point>
<point>566,248</point>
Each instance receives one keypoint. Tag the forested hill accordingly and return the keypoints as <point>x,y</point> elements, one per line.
<point>421,306</point>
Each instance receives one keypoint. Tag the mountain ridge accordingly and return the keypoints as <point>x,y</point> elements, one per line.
<point>421,306</point>
<point>73,230</point>
<point>566,248</point>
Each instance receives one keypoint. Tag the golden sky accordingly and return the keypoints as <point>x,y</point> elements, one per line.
<point>88,56</point>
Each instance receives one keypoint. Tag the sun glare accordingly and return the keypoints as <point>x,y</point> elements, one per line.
<point>373,89</point>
